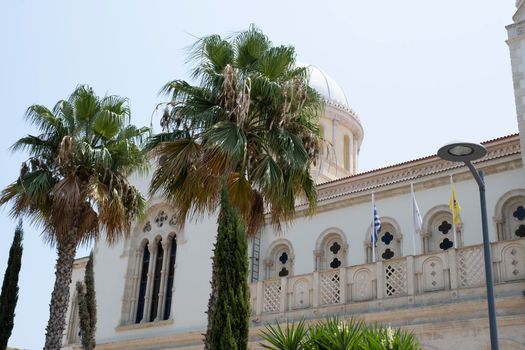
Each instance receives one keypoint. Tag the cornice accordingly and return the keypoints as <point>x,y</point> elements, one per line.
<point>503,154</point>
<point>349,119</point>
<point>80,263</point>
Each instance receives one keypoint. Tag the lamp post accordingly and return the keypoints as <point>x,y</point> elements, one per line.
<point>466,152</point>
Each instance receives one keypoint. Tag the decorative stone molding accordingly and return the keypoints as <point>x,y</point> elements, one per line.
<point>503,154</point>
<point>393,281</point>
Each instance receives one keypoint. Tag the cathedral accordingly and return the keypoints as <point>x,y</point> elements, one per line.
<point>152,289</point>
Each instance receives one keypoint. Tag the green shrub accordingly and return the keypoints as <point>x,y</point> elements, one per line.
<point>335,334</point>
<point>294,337</point>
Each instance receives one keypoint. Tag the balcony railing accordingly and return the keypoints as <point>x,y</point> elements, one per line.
<point>449,270</point>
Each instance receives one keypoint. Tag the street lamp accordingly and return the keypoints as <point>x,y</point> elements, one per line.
<point>467,152</point>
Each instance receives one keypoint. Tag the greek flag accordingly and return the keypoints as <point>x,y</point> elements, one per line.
<point>376,224</point>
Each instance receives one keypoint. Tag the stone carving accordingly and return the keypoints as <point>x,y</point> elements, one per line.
<point>301,297</point>
<point>147,227</point>
<point>362,285</point>
<point>161,218</point>
<point>433,278</point>
<point>514,263</point>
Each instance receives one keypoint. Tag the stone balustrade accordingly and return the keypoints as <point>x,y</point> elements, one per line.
<point>400,281</point>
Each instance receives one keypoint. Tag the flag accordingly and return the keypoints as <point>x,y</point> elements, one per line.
<point>376,225</point>
<point>454,206</point>
<point>418,221</point>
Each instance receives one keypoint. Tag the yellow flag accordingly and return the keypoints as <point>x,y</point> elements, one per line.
<point>454,206</point>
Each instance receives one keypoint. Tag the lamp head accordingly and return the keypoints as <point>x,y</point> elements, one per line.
<point>462,152</point>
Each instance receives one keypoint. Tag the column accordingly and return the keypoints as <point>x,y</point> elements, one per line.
<point>500,233</point>
<point>453,268</point>
<point>355,153</point>
<point>163,278</point>
<point>317,257</point>
<point>315,303</point>
<point>260,298</point>
<point>342,285</point>
<point>379,278</point>
<point>284,294</point>
<point>410,274</point>
<point>149,286</point>
<point>335,159</point>
<point>135,281</point>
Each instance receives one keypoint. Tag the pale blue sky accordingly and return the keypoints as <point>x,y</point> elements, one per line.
<point>418,73</point>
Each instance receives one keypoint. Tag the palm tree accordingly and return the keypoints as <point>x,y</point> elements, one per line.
<point>74,183</point>
<point>250,125</point>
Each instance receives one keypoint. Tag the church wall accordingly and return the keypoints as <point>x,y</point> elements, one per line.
<point>355,221</point>
<point>191,280</point>
<point>191,286</point>
<point>110,271</point>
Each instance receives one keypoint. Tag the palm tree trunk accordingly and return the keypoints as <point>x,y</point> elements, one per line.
<point>60,296</point>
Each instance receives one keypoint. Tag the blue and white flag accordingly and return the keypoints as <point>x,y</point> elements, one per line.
<point>376,228</point>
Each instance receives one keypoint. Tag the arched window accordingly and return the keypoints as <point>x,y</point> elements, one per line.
<point>388,242</point>
<point>438,231</point>
<point>171,273</point>
<point>150,278</point>
<point>331,250</point>
<point>510,215</point>
<point>346,152</point>
<point>143,284</point>
<point>279,261</point>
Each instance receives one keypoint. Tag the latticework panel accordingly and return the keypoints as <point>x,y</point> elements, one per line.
<point>471,268</point>
<point>395,278</point>
<point>272,296</point>
<point>330,292</point>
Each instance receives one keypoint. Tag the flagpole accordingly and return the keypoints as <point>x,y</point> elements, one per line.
<point>453,209</point>
<point>413,213</point>
<point>372,234</point>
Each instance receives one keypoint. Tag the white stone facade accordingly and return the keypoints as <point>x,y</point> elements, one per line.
<point>327,259</point>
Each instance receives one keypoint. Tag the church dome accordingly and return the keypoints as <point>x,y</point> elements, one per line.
<point>326,85</point>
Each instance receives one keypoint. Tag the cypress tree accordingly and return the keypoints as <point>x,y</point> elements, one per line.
<point>230,314</point>
<point>9,295</point>
<point>87,307</point>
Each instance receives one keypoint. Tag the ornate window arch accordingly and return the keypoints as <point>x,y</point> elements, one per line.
<point>510,215</point>
<point>330,249</point>
<point>438,233</point>
<point>279,259</point>
<point>388,242</point>
<point>152,249</point>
